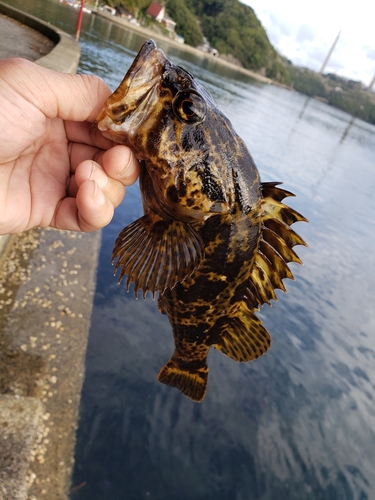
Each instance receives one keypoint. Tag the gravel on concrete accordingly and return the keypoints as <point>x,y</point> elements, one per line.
<point>19,423</point>
<point>47,284</point>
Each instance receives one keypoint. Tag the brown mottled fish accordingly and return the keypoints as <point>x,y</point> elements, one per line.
<point>213,241</point>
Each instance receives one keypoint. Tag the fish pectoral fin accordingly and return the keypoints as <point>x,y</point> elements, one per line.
<point>189,377</point>
<point>156,253</point>
<point>243,338</point>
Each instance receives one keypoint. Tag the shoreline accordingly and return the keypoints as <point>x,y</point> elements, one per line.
<point>181,46</point>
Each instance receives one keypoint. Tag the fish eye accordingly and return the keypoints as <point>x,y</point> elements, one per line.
<point>189,106</point>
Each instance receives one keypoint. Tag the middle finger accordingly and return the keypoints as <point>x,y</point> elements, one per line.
<point>81,152</point>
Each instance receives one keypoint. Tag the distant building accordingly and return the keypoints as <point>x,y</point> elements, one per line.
<point>179,38</point>
<point>156,11</point>
<point>108,9</point>
<point>169,23</point>
<point>122,12</point>
<point>206,47</point>
<point>213,52</point>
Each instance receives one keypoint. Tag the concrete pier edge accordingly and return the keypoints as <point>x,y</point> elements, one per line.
<point>66,53</point>
<point>47,283</point>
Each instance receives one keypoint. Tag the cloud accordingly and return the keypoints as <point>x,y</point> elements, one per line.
<point>334,66</point>
<point>369,52</point>
<point>305,33</point>
<point>276,28</point>
<point>316,56</point>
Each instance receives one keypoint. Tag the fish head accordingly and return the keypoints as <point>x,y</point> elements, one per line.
<point>190,150</point>
<point>132,104</point>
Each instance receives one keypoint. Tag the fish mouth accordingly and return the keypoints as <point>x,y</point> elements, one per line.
<point>130,104</point>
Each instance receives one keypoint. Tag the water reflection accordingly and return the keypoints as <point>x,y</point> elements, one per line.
<point>298,423</point>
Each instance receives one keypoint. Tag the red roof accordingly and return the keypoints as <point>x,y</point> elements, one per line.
<point>154,9</point>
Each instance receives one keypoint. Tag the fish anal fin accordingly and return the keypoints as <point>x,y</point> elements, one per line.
<point>190,379</point>
<point>156,253</point>
<point>243,338</point>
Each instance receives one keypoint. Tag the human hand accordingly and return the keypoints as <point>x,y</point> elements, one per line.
<point>55,170</point>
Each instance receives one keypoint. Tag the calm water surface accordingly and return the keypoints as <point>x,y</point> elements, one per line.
<point>299,423</point>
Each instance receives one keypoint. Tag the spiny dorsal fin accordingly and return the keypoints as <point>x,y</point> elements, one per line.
<point>277,243</point>
<point>270,189</point>
<point>156,253</point>
<point>278,264</point>
<point>261,276</point>
<point>243,337</point>
<point>290,237</point>
<point>273,209</point>
<point>275,246</point>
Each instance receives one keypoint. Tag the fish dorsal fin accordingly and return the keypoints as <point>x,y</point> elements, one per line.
<point>156,253</point>
<point>242,337</point>
<point>275,246</point>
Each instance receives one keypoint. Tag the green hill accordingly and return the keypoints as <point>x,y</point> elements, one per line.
<point>233,28</point>
<point>230,27</point>
<point>187,24</point>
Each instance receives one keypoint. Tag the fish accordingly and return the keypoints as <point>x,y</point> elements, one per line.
<point>214,242</point>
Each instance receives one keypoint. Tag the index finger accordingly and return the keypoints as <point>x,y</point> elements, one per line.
<point>57,95</point>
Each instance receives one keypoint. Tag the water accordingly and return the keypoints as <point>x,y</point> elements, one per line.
<point>299,423</point>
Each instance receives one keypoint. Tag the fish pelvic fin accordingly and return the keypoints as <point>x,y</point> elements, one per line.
<point>187,376</point>
<point>156,254</point>
<point>242,337</point>
<point>275,246</point>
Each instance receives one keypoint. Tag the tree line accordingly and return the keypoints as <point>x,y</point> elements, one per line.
<point>332,89</point>
<point>230,27</point>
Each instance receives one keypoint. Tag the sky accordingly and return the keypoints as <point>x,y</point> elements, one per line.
<point>305,31</point>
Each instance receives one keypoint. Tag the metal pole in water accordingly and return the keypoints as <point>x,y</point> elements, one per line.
<point>79,20</point>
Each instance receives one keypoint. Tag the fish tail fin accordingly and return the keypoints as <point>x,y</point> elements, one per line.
<point>190,377</point>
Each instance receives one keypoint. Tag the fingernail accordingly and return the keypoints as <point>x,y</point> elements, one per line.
<point>98,196</point>
<point>98,175</point>
<point>93,168</point>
